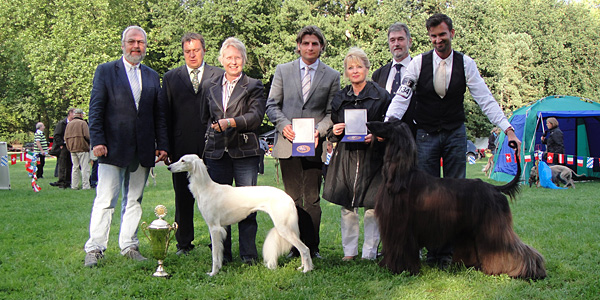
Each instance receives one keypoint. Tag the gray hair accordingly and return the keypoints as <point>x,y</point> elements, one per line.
<point>131,28</point>
<point>39,125</point>
<point>398,26</point>
<point>237,44</point>
<point>356,54</point>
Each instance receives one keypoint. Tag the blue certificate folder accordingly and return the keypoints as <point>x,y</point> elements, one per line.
<point>304,141</point>
<point>356,125</point>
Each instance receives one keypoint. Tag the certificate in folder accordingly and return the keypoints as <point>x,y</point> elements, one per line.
<point>356,125</point>
<point>304,141</point>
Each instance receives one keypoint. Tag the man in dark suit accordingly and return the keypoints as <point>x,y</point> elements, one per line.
<point>127,130</point>
<point>181,89</point>
<point>64,163</point>
<point>389,76</point>
<point>303,88</point>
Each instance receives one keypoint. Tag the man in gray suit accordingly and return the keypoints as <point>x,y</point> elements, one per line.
<point>307,92</point>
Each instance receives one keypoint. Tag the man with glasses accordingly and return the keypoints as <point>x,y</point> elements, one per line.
<point>182,89</point>
<point>127,130</point>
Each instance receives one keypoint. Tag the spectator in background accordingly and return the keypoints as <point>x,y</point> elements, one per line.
<point>41,148</point>
<point>64,158</point>
<point>492,145</point>
<point>553,138</point>
<point>265,148</point>
<point>77,138</point>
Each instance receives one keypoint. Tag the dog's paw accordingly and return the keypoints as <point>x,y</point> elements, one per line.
<point>212,273</point>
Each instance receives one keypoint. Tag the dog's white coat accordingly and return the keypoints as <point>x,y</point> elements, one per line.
<point>222,205</point>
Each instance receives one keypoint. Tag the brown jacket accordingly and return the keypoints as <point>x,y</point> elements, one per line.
<point>77,136</point>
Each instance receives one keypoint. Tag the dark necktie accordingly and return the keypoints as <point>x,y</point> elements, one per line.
<point>397,78</point>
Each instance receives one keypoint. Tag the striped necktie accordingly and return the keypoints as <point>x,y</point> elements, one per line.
<point>136,90</point>
<point>306,83</point>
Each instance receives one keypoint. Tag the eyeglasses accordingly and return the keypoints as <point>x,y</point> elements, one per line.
<point>133,42</point>
<point>196,51</point>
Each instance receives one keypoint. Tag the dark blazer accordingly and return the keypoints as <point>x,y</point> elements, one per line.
<point>286,102</point>
<point>116,123</point>
<point>185,127</point>
<point>246,106</point>
<point>380,76</point>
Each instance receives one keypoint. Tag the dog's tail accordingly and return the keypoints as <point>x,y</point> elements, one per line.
<point>578,175</point>
<point>275,246</point>
<point>512,188</point>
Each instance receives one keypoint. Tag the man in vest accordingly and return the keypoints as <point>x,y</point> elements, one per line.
<point>436,81</point>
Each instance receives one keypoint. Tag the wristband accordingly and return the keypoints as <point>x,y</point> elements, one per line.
<point>509,128</point>
<point>228,123</point>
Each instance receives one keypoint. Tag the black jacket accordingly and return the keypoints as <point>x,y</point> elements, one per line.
<point>354,173</point>
<point>554,141</point>
<point>246,106</point>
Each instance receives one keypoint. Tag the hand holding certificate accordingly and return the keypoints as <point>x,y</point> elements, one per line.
<point>304,140</point>
<point>356,125</point>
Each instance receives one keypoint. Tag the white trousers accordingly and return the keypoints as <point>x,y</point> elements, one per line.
<point>111,181</point>
<point>351,231</point>
<point>80,159</point>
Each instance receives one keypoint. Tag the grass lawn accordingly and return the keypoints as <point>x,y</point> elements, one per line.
<point>42,237</point>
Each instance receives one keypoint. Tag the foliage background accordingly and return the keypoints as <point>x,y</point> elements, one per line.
<point>525,49</point>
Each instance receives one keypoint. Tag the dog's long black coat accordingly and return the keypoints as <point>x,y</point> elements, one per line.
<point>416,210</point>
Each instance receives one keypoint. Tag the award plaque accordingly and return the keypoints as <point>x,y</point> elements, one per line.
<point>356,125</point>
<point>304,141</point>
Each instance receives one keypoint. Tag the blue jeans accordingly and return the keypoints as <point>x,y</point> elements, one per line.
<point>450,145</point>
<point>244,171</point>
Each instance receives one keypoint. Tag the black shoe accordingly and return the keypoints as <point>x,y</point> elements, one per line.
<point>56,183</point>
<point>249,260</point>
<point>316,255</point>
<point>183,251</point>
<point>293,254</point>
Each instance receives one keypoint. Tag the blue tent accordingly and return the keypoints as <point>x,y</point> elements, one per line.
<point>579,120</point>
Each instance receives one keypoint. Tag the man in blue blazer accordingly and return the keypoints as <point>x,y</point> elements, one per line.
<point>182,90</point>
<point>127,130</point>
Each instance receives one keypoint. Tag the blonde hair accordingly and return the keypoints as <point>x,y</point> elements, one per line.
<point>356,54</point>
<point>235,43</point>
<point>552,121</point>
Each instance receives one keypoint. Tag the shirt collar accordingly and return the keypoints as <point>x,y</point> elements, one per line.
<point>225,81</point>
<point>189,70</point>
<point>437,58</point>
<point>313,66</point>
<point>404,62</point>
<point>128,65</point>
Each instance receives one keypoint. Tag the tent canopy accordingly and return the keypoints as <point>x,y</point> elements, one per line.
<point>579,120</point>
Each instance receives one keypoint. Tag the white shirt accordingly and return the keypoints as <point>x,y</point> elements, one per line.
<point>129,66</point>
<point>392,75</point>
<point>201,69</point>
<point>477,87</point>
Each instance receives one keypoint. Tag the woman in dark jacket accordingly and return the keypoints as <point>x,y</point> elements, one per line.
<point>234,109</point>
<point>354,174</point>
<point>553,137</point>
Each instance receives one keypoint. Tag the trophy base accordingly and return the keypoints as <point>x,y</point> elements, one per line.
<point>160,271</point>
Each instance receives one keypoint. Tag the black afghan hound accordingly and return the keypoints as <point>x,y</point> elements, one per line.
<point>416,210</point>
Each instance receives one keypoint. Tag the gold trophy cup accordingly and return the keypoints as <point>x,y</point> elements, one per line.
<point>160,236</point>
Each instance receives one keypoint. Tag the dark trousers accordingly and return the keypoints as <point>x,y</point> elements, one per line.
<point>184,211</point>
<point>94,173</point>
<point>245,172</point>
<point>302,181</point>
<point>65,166</point>
<point>40,166</point>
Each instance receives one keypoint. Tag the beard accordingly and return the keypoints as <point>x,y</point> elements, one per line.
<point>134,59</point>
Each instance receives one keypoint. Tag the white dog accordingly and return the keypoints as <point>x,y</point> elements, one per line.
<point>222,205</point>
